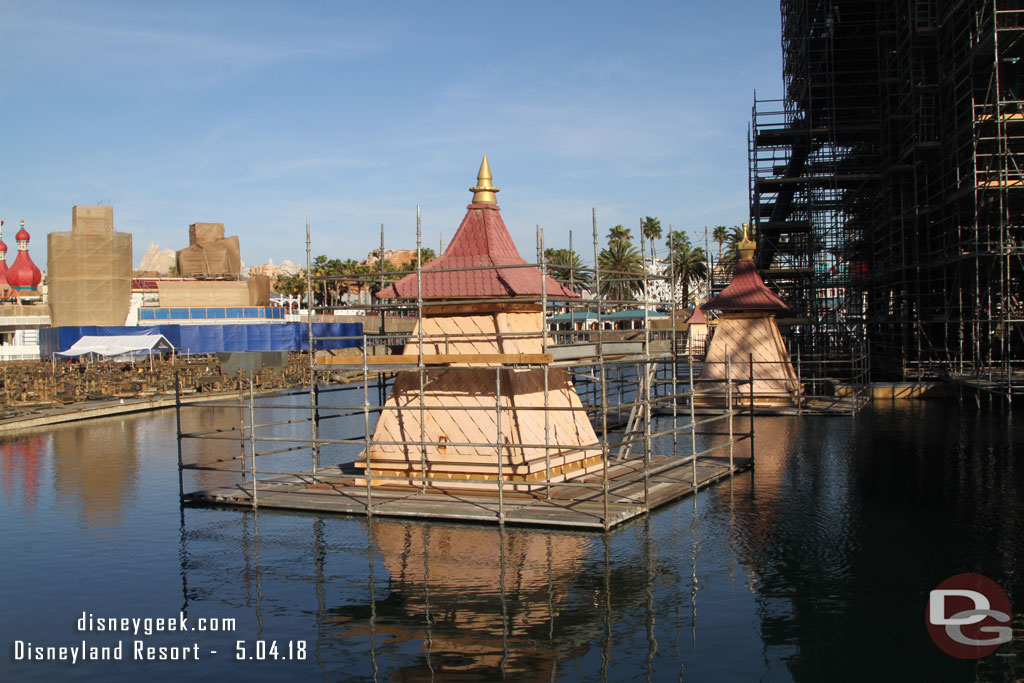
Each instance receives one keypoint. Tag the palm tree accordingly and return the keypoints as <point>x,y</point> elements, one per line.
<point>651,228</point>
<point>426,256</point>
<point>566,268</point>
<point>291,285</point>
<point>676,239</point>
<point>381,274</point>
<point>720,235</point>
<point>345,275</point>
<point>689,266</point>
<point>619,234</point>
<point>621,271</point>
<point>319,271</point>
<point>732,253</point>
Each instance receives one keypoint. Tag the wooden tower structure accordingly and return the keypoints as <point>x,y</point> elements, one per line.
<point>478,418</point>
<point>747,341</point>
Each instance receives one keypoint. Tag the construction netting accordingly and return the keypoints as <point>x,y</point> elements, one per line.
<point>198,294</point>
<point>85,218</point>
<point>209,253</point>
<point>192,294</point>
<point>89,276</point>
<point>259,290</point>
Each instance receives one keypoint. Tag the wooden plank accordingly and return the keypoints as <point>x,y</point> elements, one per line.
<point>670,479</point>
<point>442,359</point>
<point>481,308</point>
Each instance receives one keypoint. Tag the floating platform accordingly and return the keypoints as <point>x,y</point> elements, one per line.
<point>669,478</point>
<point>1004,386</point>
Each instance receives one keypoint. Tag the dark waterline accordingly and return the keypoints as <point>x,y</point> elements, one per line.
<point>814,566</point>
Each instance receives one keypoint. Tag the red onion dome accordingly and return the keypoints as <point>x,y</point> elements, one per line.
<point>23,274</point>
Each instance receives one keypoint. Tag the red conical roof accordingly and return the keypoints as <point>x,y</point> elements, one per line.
<point>697,317</point>
<point>481,241</point>
<point>22,235</point>
<point>746,292</point>
<point>3,246</point>
<point>474,256</point>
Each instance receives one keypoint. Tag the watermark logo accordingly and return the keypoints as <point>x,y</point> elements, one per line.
<point>968,616</point>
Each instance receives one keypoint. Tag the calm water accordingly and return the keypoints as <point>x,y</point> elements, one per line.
<point>815,566</point>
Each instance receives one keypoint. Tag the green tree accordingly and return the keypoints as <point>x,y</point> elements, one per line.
<point>380,274</point>
<point>291,285</point>
<point>720,235</point>
<point>651,228</point>
<point>426,256</point>
<point>319,269</point>
<point>344,275</point>
<point>676,239</point>
<point>619,234</point>
<point>689,267</point>
<point>566,268</point>
<point>621,271</point>
<point>732,252</point>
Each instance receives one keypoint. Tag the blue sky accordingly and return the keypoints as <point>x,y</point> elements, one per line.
<point>257,114</point>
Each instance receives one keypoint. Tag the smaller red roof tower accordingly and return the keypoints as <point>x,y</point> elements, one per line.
<point>747,344</point>
<point>697,317</point>
<point>747,291</point>
<point>24,275</point>
<point>3,258</point>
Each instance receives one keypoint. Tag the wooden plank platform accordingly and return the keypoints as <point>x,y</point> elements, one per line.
<point>811,405</point>
<point>87,410</point>
<point>412,359</point>
<point>669,478</point>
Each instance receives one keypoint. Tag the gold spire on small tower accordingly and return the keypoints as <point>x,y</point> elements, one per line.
<point>746,247</point>
<point>484,191</point>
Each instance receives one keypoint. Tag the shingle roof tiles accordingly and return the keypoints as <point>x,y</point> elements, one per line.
<point>746,292</point>
<point>482,241</point>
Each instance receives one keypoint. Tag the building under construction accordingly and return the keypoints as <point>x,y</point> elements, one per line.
<point>887,190</point>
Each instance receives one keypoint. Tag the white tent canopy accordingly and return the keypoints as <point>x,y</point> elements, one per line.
<point>119,345</point>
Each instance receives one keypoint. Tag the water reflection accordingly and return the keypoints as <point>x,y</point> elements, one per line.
<point>22,461</point>
<point>415,601</point>
<point>814,565</point>
<point>479,600</point>
<point>850,530</point>
<point>224,457</point>
<point>97,473</point>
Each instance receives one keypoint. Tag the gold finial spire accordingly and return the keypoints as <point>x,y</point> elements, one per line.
<point>746,246</point>
<point>484,191</point>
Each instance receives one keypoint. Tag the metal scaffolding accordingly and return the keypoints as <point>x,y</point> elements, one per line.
<point>636,391</point>
<point>889,174</point>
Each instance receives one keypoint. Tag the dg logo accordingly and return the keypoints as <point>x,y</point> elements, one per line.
<point>968,616</point>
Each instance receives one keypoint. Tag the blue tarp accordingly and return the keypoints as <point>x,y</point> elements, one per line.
<point>214,338</point>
